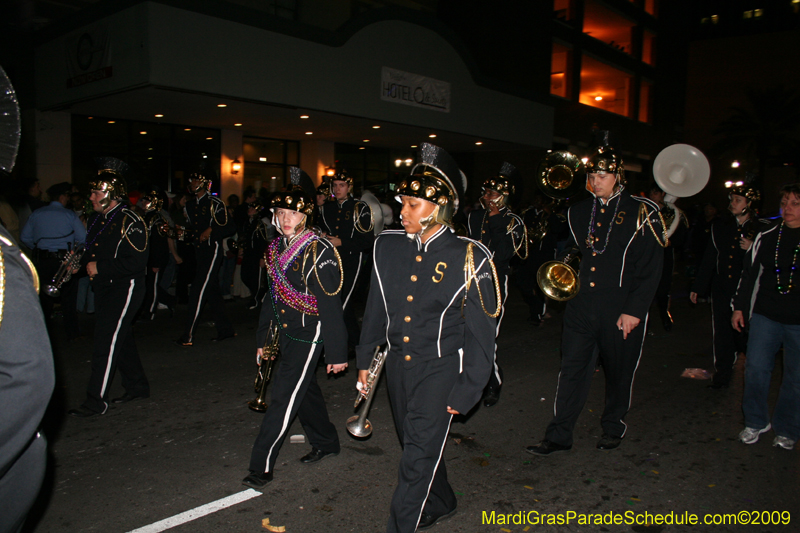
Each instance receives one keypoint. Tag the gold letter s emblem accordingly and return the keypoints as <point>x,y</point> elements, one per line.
<point>620,217</point>
<point>440,272</point>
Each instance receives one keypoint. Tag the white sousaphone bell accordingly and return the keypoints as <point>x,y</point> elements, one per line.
<point>681,171</point>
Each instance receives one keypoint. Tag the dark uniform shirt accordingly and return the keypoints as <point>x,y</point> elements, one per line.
<point>338,220</point>
<point>503,234</point>
<point>724,257</point>
<point>209,212</point>
<point>118,241</point>
<point>758,287</point>
<point>303,277</point>
<point>629,267</point>
<point>159,244</point>
<point>416,305</point>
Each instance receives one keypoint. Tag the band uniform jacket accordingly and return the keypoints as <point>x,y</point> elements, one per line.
<point>118,241</point>
<point>339,221</point>
<point>303,326</point>
<point>723,258</point>
<point>629,269</point>
<point>209,212</point>
<point>502,234</point>
<point>416,305</point>
<point>159,244</point>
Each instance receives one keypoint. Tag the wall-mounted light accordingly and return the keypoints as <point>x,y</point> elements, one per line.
<point>735,164</point>
<point>236,166</point>
<point>598,98</point>
<point>330,171</point>
<point>398,162</point>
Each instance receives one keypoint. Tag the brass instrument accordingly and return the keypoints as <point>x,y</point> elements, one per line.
<point>271,351</point>
<point>559,280</point>
<point>72,261</point>
<point>560,176</point>
<point>178,233</point>
<point>358,425</point>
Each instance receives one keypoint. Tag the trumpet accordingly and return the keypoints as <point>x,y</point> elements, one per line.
<point>178,233</point>
<point>71,262</point>
<point>270,353</point>
<point>358,425</point>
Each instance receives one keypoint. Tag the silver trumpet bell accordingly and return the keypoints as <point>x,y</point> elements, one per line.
<point>358,425</point>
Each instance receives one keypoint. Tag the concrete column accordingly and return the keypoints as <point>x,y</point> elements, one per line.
<point>231,149</point>
<point>315,156</point>
<point>53,147</point>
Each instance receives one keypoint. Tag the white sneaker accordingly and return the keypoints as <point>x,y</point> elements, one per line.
<point>750,435</point>
<point>783,442</point>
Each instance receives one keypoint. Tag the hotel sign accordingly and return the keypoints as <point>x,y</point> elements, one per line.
<point>88,57</point>
<point>414,90</point>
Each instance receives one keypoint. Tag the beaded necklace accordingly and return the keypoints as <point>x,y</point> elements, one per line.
<point>279,263</point>
<point>89,232</point>
<point>590,238</point>
<point>789,286</point>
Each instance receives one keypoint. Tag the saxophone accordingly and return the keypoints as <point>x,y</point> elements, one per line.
<point>270,353</point>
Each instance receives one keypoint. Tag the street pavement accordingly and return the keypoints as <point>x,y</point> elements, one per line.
<point>189,444</point>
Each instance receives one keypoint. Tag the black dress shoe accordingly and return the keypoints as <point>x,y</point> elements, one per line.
<point>427,521</point>
<point>183,342</point>
<point>491,397</point>
<point>223,337</point>
<point>607,442</point>
<point>316,455</point>
<point>83,412</point>
<point>547,447</point>
<point>128,397</point>
<point>256,480</point>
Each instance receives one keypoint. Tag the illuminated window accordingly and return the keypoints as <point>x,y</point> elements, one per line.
<point>651,6</point>
<point>758,13</point>
<point>645,99</point>
<point>607,26</point>
<point>649,47</point>
<point>560,66</point>
<point>605,87</point>
<point>796,6</point>
<point>747,14</point>
<point>714,19</point>
<point>562,9</point>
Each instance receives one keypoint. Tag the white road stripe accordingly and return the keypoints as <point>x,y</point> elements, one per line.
<point>198,512</point>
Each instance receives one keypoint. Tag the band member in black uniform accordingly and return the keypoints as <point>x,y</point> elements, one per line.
<point>720,270</point>
<point>304,281</point>
<point>504,234</point>
<point>434,301</point>
<point>323,195</point>
<point>254,237</point>
<point>116,261</point>
<point>157,228</point>
<point>620,237</point>
<point>210,223</point>
<point>347,224</point>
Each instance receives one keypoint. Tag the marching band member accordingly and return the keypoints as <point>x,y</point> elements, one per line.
<point>720,269</point>
<point>254,237</point>
<point>620,237</point>
<point>157,226</point>
<point>347,224</point>
<point>208,218</point>
<point>304,283</point>
<point>434,299</point>
<point>116,261</point>
<point>769,296</point>
<point>504,234</point>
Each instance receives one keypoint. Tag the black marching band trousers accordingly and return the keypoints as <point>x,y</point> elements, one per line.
<point>206,289</point>
<point>114,346</point>
<point>727,341</point>
<point>295,392</point>
<point>418,395</point>
<point>590,325</point>
<point>351,267</point>
<point>496,378</point>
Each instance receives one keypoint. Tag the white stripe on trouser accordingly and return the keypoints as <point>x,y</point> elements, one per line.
<point>497,331</point>
<point>155,293</point>
<point>288,414</point>
<point>355,278</point>
<point>114,339</point>
<point>203,290</point>
<point>436,467</point>
<point>633,377</point>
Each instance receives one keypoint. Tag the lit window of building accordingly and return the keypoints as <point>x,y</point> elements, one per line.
<point>649,47</point>
<point>645,101</point>
<point>651,6</point>
<point>562,9</point>
<point>605,87</point>
<point>608,26</point>
<point>560,71</point>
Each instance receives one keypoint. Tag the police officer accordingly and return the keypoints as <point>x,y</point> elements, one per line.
<point>51,232</point>
<point>304,283</point>
<point>504,234</point>
<point>347,224</point>
<point>158,259</point>
<point>433,301</point>
<point>620,237</point>
<point>720,270</point>
<point>210,224</point>
<point>116,261</point>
